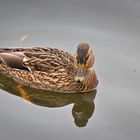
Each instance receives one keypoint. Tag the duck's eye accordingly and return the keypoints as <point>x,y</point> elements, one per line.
<point>86,58</point>
<point>77,58</point>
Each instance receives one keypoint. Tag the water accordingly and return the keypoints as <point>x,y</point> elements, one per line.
<point>112,29</point>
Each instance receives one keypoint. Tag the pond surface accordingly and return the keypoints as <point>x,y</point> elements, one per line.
<point>112,111</point>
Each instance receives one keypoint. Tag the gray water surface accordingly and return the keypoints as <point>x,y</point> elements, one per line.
<point>112,27</point>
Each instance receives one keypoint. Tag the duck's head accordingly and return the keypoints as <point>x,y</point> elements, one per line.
<point>84,60</point>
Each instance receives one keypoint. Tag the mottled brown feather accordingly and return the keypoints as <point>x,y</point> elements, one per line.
<point>50,69</point>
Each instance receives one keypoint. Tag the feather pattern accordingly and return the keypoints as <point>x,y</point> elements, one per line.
<point>43,68</point>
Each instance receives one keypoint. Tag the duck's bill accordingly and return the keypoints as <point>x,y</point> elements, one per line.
<point>80,77</point>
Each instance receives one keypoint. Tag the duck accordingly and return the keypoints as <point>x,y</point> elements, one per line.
<point>50,69</point>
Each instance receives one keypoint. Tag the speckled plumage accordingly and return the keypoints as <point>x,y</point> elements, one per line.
<point>45,68</point>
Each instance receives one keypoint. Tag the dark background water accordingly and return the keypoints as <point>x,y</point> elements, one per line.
<point>112,29</point>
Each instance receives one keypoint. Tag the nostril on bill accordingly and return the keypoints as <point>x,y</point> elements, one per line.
<point>78,81</point>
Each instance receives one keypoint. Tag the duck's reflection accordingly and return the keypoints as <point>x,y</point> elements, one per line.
<point>82,110</point>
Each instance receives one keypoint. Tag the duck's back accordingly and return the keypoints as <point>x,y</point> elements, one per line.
<point>47,66</point>
<point>46,56</point>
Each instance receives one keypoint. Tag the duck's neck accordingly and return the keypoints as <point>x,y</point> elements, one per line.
<point>90,79</point>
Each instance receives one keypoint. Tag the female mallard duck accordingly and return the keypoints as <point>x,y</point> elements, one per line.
<point>50,69</point>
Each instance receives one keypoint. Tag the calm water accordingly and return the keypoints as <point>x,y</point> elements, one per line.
<point>111,112</point>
